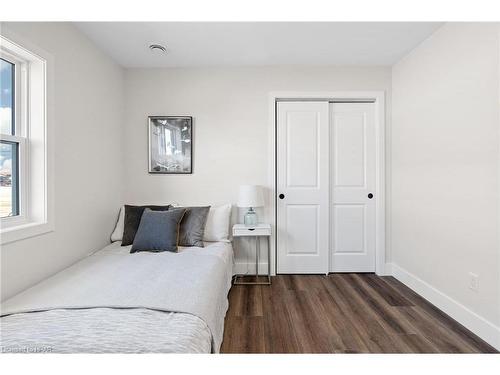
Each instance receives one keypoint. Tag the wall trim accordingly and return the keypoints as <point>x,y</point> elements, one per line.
<point>387,270</point>
<point>469,319</point>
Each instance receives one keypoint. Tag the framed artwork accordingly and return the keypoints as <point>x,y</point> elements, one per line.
<point>171,144</point>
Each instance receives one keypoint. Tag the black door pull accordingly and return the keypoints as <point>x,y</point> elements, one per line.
<point>281,196</point>
<point>370,195</point>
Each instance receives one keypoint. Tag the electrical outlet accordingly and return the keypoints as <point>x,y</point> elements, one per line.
<point>473,282</point>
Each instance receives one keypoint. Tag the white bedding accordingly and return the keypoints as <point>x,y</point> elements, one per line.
<point>156,304</point>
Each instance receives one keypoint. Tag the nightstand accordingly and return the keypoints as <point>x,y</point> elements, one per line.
<point>258,231</point>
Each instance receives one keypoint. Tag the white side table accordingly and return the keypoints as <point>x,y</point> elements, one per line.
<point>260,230</point>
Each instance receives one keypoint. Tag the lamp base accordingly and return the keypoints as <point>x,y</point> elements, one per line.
<point>250,218</point>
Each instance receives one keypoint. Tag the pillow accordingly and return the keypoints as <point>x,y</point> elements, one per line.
<point>118,232</point>
<point>158,231</point>
<point>132,220</point>
<point>217,226</point>
<point>193,226</point>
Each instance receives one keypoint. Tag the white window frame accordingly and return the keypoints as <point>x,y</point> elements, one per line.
<point>35,185</point>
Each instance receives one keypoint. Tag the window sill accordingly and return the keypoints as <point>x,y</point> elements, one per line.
<point>24,231</point>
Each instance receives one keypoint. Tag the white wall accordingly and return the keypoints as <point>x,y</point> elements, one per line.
<point>445,169</point>
<point>88,97</point>
<point>230,107</point>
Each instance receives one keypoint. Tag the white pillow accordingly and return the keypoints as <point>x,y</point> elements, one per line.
<point>118,232</point>
<point>217,226</point>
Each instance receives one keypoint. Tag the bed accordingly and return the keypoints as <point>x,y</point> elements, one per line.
<point>116,302</point>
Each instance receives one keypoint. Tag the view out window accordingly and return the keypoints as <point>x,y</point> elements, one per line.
<point>9,146</point>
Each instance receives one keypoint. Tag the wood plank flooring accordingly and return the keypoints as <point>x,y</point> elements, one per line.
<point>340,313</point>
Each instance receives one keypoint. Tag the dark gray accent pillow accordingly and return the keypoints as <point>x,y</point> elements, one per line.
<point>132,219</point>
<point>158,231</point>
<point>193,226</point>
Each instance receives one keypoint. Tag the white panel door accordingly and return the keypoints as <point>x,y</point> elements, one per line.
<point>353,215</point>
<point>302,187</point>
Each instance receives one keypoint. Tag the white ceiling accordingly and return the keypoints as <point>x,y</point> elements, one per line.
<point>254,43</point>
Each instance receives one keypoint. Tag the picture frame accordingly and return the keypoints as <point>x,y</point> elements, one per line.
<point>170,144</point>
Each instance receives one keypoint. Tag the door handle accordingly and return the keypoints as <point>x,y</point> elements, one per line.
<point>370,195</point>
<point>281,196</point>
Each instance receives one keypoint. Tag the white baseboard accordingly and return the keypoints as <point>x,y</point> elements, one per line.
<point>242,268</point>
<point>472,321</point>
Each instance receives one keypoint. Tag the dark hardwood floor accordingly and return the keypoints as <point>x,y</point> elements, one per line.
<point>340,313</point>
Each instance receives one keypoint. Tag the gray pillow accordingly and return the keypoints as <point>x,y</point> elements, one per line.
<point>132,219</point>
<point>193,226</point>
<point>158,231</point>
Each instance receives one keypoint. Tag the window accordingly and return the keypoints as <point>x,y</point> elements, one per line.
<point>25,163</point>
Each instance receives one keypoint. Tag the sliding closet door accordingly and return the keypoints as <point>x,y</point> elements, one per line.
<point>302,187</point>
<point>353,182</point>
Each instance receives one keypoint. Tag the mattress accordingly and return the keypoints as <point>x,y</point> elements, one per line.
<point>29,325</point>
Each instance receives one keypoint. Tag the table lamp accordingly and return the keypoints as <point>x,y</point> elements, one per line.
<point>250,196</point>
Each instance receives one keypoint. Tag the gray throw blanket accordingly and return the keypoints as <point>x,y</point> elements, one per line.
<point>185,282</point>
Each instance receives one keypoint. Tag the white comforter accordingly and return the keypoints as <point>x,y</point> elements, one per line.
<point>113,301</point>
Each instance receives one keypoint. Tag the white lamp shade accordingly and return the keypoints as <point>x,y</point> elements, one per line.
<point>250,196</point>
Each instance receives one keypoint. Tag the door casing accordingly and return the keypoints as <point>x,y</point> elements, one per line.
<point>378,98</point>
